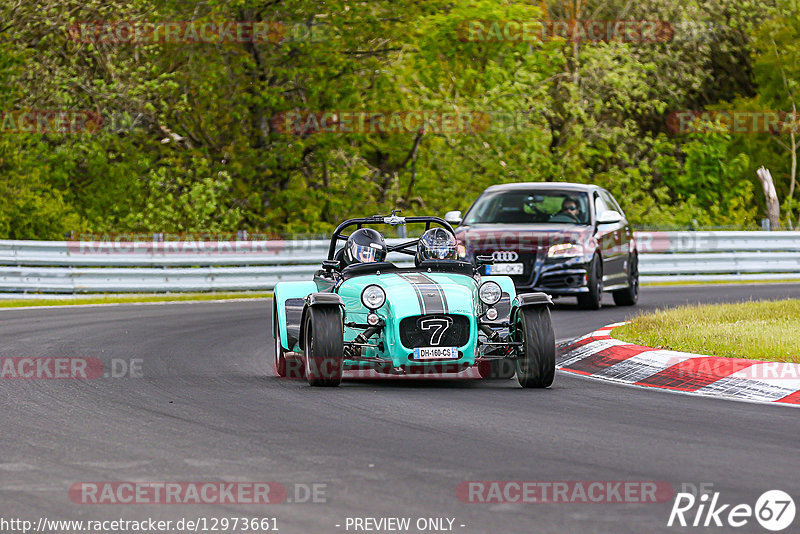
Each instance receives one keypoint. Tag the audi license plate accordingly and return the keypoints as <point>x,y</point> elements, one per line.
<point>504,268</point>
<point>436,353</point>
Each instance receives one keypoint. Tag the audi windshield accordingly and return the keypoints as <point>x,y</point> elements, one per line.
<point>530,206</point>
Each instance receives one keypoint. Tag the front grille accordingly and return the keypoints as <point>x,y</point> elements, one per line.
<point>528,260</point>
<point>456,334</point>
<point>561,280</point>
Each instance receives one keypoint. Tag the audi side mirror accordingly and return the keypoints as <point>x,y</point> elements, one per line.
<point>609,217</point>
<point>453,217</point>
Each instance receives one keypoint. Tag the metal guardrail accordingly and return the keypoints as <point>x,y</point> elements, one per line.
<point>85,267</point>
<point>718,256</point>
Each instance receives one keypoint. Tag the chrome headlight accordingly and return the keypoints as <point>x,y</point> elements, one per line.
<point>373,297</point>
<point>490,293</point>
<point>565,250</point>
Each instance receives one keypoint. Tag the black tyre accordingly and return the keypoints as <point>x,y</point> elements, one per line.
<point>536,364</point>
<point>502,369</point>
<point>324,346</point>
<point>279,362</point>
<point>630,295</point>
<point>594,298</point>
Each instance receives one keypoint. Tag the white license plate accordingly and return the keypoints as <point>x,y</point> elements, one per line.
<point>504,268</point>
<point>436,353</point>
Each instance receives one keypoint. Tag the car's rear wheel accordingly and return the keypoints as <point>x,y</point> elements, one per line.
<point>324,346</point>
<point>280,354</point>
<point>536,363</point>
<point>594,298</point>
<point>630,295</point>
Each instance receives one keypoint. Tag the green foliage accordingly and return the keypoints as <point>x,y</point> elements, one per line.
<point>192,138</point>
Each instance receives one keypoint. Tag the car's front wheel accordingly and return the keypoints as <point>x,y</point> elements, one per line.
<point>324,346</point>
<point>630,295</point>
<point>594,298</point>
<point>536,362</point>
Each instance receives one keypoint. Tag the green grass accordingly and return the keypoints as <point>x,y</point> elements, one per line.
<point>763,330</point>
<point>134,298</point>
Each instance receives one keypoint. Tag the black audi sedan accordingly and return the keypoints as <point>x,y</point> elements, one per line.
<point>563,239</point>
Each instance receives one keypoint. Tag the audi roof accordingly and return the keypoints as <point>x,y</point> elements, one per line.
<point>543,185</point>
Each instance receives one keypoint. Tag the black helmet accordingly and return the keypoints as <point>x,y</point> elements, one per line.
<point>436,244</point>
<point>365,245</point>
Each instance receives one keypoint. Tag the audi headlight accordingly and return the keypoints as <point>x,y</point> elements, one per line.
<point>490,293</point>
<point>565,250</point>
<point>373,297</point>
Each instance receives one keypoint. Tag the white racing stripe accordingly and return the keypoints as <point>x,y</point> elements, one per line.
<point>763,381</point>
<point>588,350</point>
<point>644,365</point>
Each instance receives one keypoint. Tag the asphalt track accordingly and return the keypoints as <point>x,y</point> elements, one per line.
<point>208,408</point>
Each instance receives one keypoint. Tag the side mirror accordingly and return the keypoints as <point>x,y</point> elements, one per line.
<point>484,260</point>
<point>609,217</point>
<point>453,217</point>
<point>330,265</point>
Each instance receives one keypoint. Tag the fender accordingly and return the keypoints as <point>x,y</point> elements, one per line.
<point>529,300</point>
<point>289,300</point>
<point>524,300</point>
<point>318,300</point>
<point>323,299</point>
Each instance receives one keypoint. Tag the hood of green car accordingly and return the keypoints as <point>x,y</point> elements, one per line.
<point>414,293</point>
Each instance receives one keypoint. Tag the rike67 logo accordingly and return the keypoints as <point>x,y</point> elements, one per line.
<point>774,510</point>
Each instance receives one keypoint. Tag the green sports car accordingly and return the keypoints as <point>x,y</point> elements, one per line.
<point>361,312</point>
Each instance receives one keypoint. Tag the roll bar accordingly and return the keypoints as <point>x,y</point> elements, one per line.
<point>392,220</point>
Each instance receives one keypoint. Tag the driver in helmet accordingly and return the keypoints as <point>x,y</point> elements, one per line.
<point>365,245</point>
<point>436,244</point>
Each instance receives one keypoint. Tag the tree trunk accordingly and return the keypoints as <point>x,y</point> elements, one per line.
<point>773,207</point>
<point>793,177</point>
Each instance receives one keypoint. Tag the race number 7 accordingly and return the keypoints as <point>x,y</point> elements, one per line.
<point>439,327</point>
